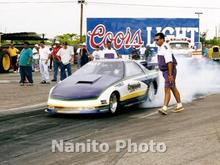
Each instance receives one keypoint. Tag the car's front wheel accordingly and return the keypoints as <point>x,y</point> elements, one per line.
<point>113,103</point>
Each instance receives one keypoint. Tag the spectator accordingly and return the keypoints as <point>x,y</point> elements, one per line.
<point>205,51</point>
<point>148,53</point>
<point>25,63</point>
<point>44,57</point>
<point>142,52</point>
<point>97,54</point>
<point>56,60</point>
<point>13,52</point>
<point>50,60</point>
<point>84,57</point>
<point>109,52</point>
<point>67,55</point>
<point>135,53</point>
<point>79,54</point>
<point>36,57</point>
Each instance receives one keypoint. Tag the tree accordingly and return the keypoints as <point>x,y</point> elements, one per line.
<point>210,42</point>
<point>214,41</point>
<point>70,38</point>
<point>203,37</point>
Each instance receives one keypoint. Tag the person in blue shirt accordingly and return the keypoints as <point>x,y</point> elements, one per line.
<point>25,63</point>
<point>205,51</point>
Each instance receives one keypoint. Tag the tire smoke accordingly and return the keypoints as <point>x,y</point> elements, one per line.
<point>196,77</point>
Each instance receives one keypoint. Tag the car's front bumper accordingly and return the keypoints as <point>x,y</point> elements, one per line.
<point>56,106</point>
<point>56,110</point>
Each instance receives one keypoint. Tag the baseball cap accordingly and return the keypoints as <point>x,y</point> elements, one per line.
<point>57,42</point>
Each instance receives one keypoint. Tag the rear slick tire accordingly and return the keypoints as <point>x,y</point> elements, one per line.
<point>151,92</point>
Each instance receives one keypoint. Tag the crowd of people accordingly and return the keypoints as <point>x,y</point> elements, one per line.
<point>61,56</point>
<point>144,53</point>
<point>29,60</point>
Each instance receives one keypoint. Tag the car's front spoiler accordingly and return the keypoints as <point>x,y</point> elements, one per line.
<point>55,110</point>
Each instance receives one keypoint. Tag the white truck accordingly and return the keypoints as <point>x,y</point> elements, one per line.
<point>184,47</point>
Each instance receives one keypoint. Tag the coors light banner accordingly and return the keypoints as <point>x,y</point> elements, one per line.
<point>128,32</point>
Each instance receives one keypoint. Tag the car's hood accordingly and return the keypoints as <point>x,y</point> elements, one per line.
<point>82,87</point>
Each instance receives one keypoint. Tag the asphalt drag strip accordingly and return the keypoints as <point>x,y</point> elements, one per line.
<point>191,137</point>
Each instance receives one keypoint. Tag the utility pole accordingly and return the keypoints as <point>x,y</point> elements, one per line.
<point>1,38</point>
<point>218,30</point>
<point>199,13</point>
<point>81,2</point>
<point>43,35</point>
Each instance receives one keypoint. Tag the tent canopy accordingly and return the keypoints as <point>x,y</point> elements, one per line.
<point>22,36</point>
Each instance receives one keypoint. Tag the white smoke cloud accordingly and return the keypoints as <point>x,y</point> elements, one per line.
<point>196,77</point>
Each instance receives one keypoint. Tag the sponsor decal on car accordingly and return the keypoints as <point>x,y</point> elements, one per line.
<point>133,87</point>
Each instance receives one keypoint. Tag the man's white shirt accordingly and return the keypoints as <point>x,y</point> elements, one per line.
<point>97,55</point>
<point>109,53</point>
<point>44,53</point>
<point>142,50</point>
<point>65,54</point>
<point>164,50</point>
<point>35,54</point>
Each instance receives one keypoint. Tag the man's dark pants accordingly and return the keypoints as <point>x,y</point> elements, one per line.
<point>14,63</point>
<point>26,72</point>
<point>56,66</point>
<point>63,71</point>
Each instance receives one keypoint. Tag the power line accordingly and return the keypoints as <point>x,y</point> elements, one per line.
<point>36,2</point>
<point>155,6</point>
<point>112,3</point>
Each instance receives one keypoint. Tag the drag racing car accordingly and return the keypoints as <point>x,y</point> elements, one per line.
<point>103,86</point>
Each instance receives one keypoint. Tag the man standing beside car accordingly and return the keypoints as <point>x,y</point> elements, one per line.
<point>167,64</point>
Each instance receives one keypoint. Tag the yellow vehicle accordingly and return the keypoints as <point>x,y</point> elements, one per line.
<point>214,53</point>
<point>5,62</point>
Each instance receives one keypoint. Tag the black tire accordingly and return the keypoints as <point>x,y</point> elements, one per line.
<point>113,103</point>
<point>5,62</point>
<point>151,93</point>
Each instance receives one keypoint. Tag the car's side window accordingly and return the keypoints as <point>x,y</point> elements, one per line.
<point>132,69</point>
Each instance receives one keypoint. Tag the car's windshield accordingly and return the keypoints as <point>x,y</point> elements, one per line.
<point>179,45</point>
<point>113,68</point>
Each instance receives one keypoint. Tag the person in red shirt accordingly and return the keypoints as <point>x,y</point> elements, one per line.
<point>56,60</point>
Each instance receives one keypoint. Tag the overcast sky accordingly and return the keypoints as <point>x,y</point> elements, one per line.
<point>62,16</point>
